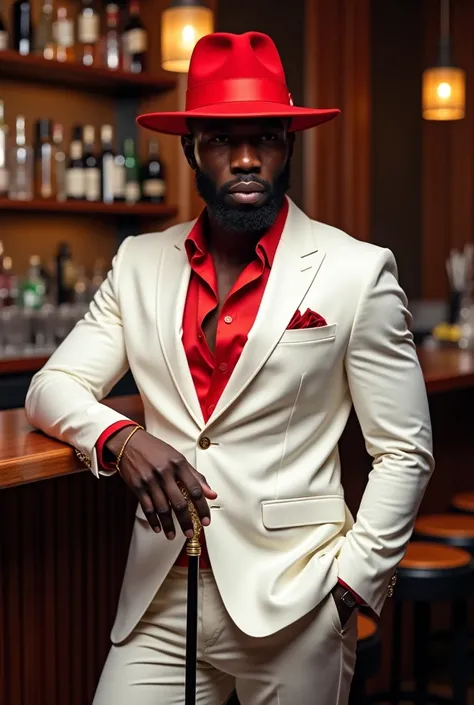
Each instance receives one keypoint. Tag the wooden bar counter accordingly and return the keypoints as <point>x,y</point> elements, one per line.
<point>64,536</point>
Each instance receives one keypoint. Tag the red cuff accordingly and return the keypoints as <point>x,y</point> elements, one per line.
<point>104,437</point>
<point>356,597</point>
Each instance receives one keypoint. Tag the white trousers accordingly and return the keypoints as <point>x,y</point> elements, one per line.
<point>310,662</point>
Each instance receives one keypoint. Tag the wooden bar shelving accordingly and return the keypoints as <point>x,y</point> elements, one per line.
<point>73,75</point>
<point>150,210</point>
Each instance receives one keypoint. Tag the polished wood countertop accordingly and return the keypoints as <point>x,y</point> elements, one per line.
<point>27,456</point>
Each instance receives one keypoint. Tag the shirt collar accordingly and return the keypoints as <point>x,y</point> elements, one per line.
<point>196,245</point>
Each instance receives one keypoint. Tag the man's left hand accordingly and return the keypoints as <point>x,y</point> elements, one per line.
<point>344,610</point>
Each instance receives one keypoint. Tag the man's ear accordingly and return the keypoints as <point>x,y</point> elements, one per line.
<point>187,143</point>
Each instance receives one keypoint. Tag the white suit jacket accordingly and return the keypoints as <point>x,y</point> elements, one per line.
<point>280,532</point>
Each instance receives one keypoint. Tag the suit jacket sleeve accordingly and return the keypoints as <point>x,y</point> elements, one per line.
<point>64,396</point>
<point>389,397</point>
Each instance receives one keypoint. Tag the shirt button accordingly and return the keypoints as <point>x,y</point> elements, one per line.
<point>204,442</point>
<point>228,319</point>
<point>223,367</point>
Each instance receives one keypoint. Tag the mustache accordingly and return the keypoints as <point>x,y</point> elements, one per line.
<point>246,179</point>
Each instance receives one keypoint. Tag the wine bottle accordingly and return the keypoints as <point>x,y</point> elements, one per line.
<point>135,40</point>
<point>44,40</point>
<point>153,175</point>
<point>107,164</point>
<point>132,183</point>
<point>44,153</point>
<point>4,180</point>
<point>75,166</point>
<point>3,34</point>
<point>91,166</point>
<point>88,30</point>
<point>59,163</point>
<point>22,27</point>
<point>65,274</point>
<point>111,41</point>
<point>21,165</point>
<point>33,288</point>
<point>119,177</point>
<point>63,30</point>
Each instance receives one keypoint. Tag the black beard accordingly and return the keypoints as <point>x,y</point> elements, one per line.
<point>244,218</point>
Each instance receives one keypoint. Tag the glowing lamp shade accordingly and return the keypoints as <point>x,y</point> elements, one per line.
<point>444,93</point>
<point>182,25</point>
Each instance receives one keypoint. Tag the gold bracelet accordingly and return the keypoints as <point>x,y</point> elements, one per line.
<point>119,456</point>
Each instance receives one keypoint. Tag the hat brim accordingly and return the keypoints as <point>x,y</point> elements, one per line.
<point>176,123</point>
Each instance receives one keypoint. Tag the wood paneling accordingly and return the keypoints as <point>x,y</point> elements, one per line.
<point>448,157</point>
<point>337,155</point>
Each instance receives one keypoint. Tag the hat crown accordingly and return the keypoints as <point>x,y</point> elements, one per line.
<point>224,56</point>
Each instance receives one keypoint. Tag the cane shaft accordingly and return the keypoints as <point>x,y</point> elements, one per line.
<point>191,630</point>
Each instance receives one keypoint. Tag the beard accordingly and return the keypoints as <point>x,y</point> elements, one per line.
<point>244,218</point>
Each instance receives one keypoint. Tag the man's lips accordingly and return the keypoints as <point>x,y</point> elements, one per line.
<point>246,192</point>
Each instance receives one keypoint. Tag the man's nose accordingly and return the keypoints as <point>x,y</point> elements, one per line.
<point>245,159</point>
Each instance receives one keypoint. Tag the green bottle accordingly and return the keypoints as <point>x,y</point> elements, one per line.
<point>33,288</point>
<point>132,182</point>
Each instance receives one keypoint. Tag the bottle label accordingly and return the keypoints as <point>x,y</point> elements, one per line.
<point>3,40</point>
<point>92,184</point>
<point>132,192</point>
<point>75,150</point>
<point>64,33</point>
<point>75,183</point>
<point>119,181</point>
<point>136,41</point>
<point>88,28</point>
<point>4,180</point>
<point>154,188</point>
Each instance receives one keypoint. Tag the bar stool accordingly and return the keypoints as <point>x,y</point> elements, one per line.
<point>369,651</point>
<point>368,660</point>
<point>463,503</point>
<point>453,529</point>
<point>431,572</point>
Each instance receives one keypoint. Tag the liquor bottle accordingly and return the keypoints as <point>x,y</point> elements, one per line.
<point>64,36</point>
<point>60,186</point>
<point>107,164</point>
<point>119,177</point>
<point>75,166</point>
<point>33,288</point>
<point>3,152</point>
<point>111,40</point>
<point>44,40</point>
<point>80,294</point>
<point>132,183</point>
<point>22,32</point>
<point>44,154</point>
<point>21,165</point>
<point>8,283</point>
<point>135,40</point>
<point>91,166</point>
<point>88,31</point>
<point>153,176</point>
<point>3,34</point>
<point>65,274</point>
<point>98,277</point>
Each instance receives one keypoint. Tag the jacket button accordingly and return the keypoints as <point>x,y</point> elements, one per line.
<point>204,442</point>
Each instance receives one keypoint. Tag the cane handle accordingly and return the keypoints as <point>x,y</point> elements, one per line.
<point>193,545</point>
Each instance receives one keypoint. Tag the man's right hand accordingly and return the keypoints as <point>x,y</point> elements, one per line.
<point>152,469</point>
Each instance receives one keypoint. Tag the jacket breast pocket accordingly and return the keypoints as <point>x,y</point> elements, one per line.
<point>303,511</point>
<point>309,335</point>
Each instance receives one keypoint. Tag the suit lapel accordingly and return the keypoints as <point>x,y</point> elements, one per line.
<point>295,266</point>
<point>172,286</point>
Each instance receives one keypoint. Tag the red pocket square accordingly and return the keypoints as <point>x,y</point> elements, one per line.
<point>309,319</point>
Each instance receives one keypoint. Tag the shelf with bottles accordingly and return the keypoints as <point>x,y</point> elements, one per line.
<point>81,178</point>
<point>92,52</point>
<point>39,309</point>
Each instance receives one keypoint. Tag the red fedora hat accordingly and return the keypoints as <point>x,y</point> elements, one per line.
<point>236,76</point>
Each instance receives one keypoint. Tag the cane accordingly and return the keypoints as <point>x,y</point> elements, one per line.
<point>193,549</point>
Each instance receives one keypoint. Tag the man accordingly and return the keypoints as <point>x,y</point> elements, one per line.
<point>250,333</point>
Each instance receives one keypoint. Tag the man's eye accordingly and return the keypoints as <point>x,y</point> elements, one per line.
<point>220,139</point>
<point>269,138</point>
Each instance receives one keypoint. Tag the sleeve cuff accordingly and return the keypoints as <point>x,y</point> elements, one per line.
<point>356,597</point>
<point>104,437</point>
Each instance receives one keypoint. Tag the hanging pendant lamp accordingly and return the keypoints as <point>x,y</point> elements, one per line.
<point>183,23</point>
<point>444,85</point>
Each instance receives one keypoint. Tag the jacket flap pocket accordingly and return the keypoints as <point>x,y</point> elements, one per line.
<point>308,335</point>
<point>304,511</point>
